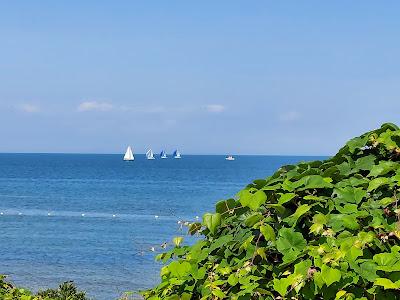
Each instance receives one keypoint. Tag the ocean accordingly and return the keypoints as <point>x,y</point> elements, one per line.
<point>94,219</point>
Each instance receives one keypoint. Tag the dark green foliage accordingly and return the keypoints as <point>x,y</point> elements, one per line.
<point>318,230</point>
<point>66,291</point>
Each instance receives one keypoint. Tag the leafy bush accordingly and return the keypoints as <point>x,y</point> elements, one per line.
<point>66,291</point>
<point>318,230</point>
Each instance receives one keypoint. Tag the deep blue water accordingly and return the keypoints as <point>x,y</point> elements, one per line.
<point>107,255</point>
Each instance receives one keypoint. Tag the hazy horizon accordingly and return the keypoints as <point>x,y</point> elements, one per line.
<point>262,78</point>
<point>169,154</point>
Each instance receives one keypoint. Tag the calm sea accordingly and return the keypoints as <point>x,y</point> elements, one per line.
<point>92,218</point>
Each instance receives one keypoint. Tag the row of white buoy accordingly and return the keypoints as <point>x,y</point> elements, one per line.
<point>83,214</point>
<point>50,214</point>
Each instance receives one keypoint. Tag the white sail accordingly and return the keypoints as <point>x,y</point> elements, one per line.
<point>150,154</point>
<point>128,154</point>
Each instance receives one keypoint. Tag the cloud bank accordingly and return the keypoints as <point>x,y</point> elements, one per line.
<point>29,108</point>
<point>94,106</point>
<point>215,108</point>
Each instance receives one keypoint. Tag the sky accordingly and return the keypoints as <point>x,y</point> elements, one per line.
<point>207,77</point>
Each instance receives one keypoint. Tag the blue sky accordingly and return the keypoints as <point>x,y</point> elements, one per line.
<point>212,77</point>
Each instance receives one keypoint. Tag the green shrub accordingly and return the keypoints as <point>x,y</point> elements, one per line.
<point>318,230</point>
<point>66,291</point>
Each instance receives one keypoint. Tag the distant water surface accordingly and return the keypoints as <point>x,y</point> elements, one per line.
<point>91,218</point>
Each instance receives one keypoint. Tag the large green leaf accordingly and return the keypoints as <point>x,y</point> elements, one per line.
<point>377,182</point>
<point>253,219</point>
<point>179,269</point>
<point>387,283</point>
<point>330,275</point>
<point>314,182</point>
<point>386,259</point>
<point>383,168</point>
<point>300,211</point>
<point>356,143</point>
<point>367,270</point>
<point>268,232</point>
<point>212,221</point>
<point>290,243</point>
<point>286,197</point>
<point>281,285</point>
<point>319,220</point>
<point>252,200</point>
<point>350,194</point>
<point>365,162</point>
<point>341,221</point>
<point>225,206</point>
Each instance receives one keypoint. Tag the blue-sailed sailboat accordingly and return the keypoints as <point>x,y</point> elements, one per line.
<point>163,154</point>
<point>177,154</point>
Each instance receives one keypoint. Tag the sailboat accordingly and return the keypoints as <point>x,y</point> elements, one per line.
<point>128,154</point>
<point>150,154</point>
<point>163,154</point>
<point>177,154</point>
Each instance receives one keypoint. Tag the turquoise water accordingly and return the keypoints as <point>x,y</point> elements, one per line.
<point>45,239</point>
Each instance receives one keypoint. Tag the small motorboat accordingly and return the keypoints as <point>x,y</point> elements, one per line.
<point>229,157</point>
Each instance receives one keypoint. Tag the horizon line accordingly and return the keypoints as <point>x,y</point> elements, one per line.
<point>186,154</point>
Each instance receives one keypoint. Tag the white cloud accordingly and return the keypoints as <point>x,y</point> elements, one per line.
<point>29,108</point>
<point>290,116</point>
<point>215,108</point>
<point>94,106</point>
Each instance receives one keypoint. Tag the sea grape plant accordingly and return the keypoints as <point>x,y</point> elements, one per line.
<point>316,230</point>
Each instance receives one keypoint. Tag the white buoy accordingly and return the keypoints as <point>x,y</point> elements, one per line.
<point>19,214</point>
<point>156,216</point>
<point>179,222</point>
<point>49,214</point>
<point>197,217</point>
<point>1,213</point>
<point>82,215</point>
<point>152,249</point>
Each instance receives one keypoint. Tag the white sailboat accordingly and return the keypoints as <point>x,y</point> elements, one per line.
<point>177,154</point>
<point>128,154</point>
<point>163,154</point>
<point>150,154</point>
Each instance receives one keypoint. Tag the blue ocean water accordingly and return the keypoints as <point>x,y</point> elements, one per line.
<point>91,218</point>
